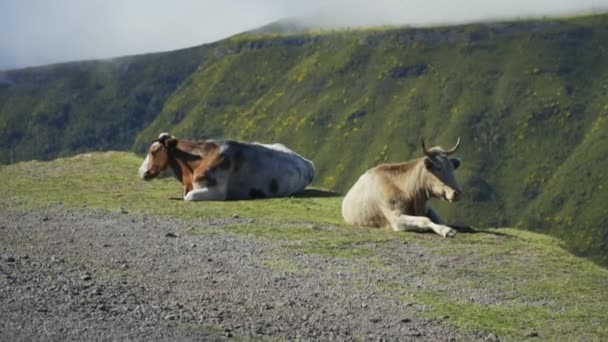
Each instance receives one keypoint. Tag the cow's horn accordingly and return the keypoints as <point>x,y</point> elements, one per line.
<point>424,150</point>
<point>453,149</point>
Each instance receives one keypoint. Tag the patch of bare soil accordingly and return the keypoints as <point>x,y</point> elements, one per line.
<point>90,275</point>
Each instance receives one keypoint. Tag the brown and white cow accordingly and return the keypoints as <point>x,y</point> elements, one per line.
<point>217,170</point>
<point>396,195</point>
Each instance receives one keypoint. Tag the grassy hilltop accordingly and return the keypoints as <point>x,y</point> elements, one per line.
<point>514,284</point>
<point>528,99</point>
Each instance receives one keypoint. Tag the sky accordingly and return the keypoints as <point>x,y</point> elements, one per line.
<point>38,32</point>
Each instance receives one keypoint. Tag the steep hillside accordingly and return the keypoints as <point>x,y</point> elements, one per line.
<point>528,99</point>
<point>67,108</point>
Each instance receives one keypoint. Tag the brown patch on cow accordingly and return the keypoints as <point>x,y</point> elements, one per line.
<point>397,168</point>
<point>239,159</point>
<point>186,176</point>
<point>256,193</point>
<point>274,186</point>
<point>390,180</point>
<point>188,160</point>
<point>210,147</point>
<point>211,161</point>
<point>194,146</point>
<point>397,200</point>
<point>378,221</point>
<point>403,205</point>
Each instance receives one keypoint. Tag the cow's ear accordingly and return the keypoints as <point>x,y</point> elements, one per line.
<point>455,162</point>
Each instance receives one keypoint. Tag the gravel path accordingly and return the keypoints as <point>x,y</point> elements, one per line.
<point>92,275</point>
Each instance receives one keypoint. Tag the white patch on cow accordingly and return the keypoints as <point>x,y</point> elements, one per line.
<point>214,193</point>
<point>278,147</point>
<point>450,195</point>
<point>267,170</point>
<point>145,166</point>
<point>360,203</point>
<point>164,135</point>
<point>421,224</point>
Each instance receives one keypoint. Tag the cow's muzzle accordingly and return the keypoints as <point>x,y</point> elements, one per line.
<point>147,176</point>
<point>454,195</point>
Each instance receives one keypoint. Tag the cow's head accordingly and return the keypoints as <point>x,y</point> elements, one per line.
<point>157,159</point>
<point>442,182</point>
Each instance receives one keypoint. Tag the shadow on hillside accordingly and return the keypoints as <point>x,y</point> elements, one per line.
<point>309,193</point>
<point>461,228</point>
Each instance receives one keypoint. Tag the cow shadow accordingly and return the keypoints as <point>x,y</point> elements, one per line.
<point>310,193</point>
<point>462,228</point>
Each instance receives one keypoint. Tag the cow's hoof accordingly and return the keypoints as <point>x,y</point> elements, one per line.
<point>449,232</point>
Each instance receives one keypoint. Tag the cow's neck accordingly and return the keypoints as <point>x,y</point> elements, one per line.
<point>183,165</point>
<point>179,169</point>
<point>413,182</point>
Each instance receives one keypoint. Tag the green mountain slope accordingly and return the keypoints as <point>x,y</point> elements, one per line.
<point>528,99</point>
<point>63,109</point>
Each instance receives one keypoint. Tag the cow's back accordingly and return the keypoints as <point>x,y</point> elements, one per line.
<point>260,170</point>
<point>360,206</point>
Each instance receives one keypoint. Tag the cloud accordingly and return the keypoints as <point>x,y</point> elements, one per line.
<point>40,32</point>
<point>427,12</point>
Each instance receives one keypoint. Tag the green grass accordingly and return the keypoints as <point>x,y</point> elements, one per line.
<point>536,286</point>
<point>110,181</point>
<point>540,288</point>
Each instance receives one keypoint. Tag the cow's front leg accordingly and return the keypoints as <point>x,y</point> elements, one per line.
<point>187,189</point>
<point>187,182</point>
<point>420,224</point>
<point>432,214</point>
<point>209,193</point>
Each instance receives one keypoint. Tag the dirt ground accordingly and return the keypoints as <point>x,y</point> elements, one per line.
<point>90,275</point>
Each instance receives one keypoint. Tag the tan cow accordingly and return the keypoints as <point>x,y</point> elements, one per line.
<point>396,195</point>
